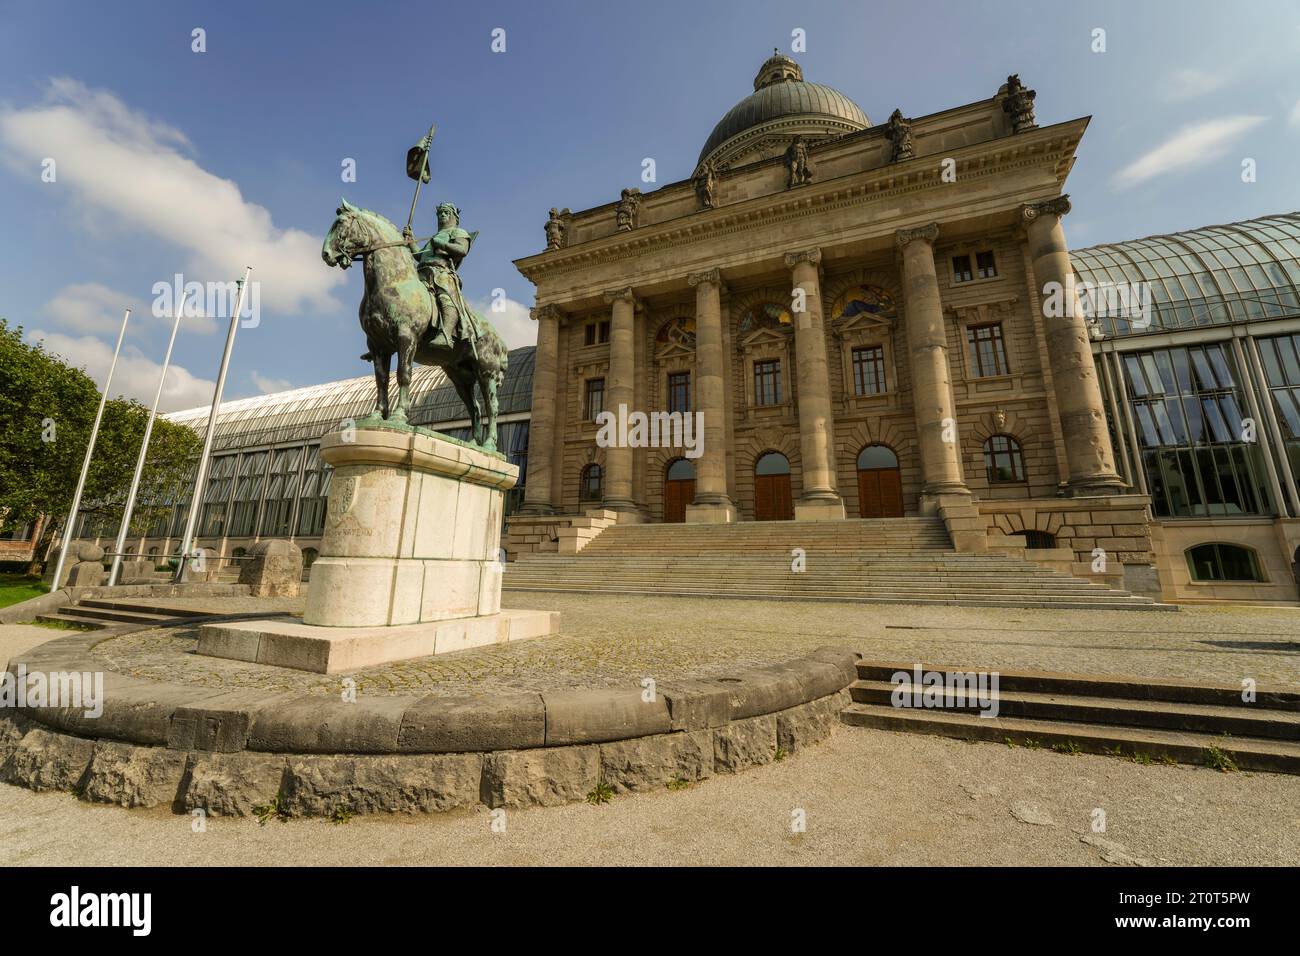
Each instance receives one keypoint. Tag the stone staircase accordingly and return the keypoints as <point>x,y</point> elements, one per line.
<point>1137,718</point>
<point>890,560</point>
<point>95,614</point>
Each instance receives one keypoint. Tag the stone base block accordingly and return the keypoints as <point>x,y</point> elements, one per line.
<point>334,650</point>
<point>711,513</point>
<point>819,509</point>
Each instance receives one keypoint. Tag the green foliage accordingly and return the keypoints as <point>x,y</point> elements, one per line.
<point>601,793</point>
<point>18,587</point>
<point>678,783</point>
<point>1068,747</point>
<point>1142,758</point>
<point>781,754</point>
<point>1217,758</point>
<point>341,815</point>
<point>271,811</point>
<point>42,396</point>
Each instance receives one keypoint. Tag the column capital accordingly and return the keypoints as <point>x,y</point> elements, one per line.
<point>623,294</point>
<point>927,234</point>
<point>546,312</point>
<point>1058,207</point>
<point>708,276</point>
<point>813,255</point>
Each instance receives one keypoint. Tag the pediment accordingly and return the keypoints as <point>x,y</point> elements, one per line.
<point>760,337</point>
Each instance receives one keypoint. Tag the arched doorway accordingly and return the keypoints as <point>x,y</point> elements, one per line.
<point>772,498</point>
<point>880,484</point>
<point>679,489</point>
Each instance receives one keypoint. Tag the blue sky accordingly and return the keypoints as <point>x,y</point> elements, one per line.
<point>168,160</point>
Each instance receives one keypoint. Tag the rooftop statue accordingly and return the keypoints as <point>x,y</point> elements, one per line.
<point>413,306</point>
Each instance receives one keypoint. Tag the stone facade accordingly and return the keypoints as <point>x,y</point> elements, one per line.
<point>888,297</point>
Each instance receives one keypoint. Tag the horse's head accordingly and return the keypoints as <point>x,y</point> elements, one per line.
<point>354,231</point>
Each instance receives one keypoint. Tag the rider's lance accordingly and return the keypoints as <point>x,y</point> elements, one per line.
<point>417,168</point>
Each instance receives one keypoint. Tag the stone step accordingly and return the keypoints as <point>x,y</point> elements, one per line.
<point>1110,686</point>
<point>1248,753</point>
<point>1195,718</point>
<point>111,614</point>
<point>783,583</point>
<point>82,622</point>
<point>1119,602</point>
<point>141,606</point>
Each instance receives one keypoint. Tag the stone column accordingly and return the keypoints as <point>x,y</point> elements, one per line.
<point>1088,450</point>
<point>819,500</point>
<point>712,504</point>
<point>927,345</point>
<point>620,390</point>
<point>541,425</point>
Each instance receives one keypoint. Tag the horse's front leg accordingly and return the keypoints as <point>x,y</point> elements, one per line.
<point>406,343</point>
<point>381,361</point>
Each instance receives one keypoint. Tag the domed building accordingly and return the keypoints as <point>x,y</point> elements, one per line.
<point>782,106</point>
<point>834,320</point>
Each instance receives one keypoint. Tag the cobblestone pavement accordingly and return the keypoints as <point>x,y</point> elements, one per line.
<point>616,641</point>
<point>871,797</point>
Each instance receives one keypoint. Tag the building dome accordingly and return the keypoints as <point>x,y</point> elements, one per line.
<point>782,106</point>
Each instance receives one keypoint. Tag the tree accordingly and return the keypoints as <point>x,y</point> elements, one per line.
<point>47,408</point>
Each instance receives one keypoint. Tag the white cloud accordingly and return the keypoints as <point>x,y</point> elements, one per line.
<point>266,385</point>
<point>124,167</point>
<point>1193,145</point>
<point>513,323</point>
<point>91,307</point>
<point>1190,83</point>
<point>135,376</point>
<point>1294,119</point>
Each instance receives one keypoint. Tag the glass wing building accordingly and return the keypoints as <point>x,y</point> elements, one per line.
<point>267,479</point>
<point>1197,343</point>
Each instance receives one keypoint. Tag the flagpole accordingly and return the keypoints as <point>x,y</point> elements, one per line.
<point>202,475</point>
<point>85,464</point>
<point>144,448</point>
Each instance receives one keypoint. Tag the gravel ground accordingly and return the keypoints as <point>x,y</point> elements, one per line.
<point>612,641</point>
<point>870,798</point>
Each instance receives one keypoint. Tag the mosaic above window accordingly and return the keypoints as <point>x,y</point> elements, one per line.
<point>679,331</point>
<point>769,315</point>
<point>863,298</point>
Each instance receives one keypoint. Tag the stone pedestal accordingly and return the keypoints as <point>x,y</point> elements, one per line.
<point>412,533</point>
<point>273,569</point>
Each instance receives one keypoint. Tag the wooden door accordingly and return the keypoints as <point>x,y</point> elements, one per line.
<point>772,499</point>
<point>880,493</point>
<point>678,493</point>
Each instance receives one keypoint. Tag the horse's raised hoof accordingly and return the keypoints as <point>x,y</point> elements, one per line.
<point>367,357</point>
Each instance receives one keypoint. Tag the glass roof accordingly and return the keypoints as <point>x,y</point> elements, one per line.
<point>305,414</point>
<point>1211,276</point>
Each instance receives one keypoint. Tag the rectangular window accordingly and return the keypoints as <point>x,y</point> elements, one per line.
<point>315,492</point>
<point>679,392</point>
<point>603,335</point>
<point>595,401</point>
<point>589,334</point>
<point>767,382</point>
<point>961,269</point>
<point>869,370</point>
<point>216,496</point>
<point>984,265</point>
<point>281,489</point>
<point>988,356</point>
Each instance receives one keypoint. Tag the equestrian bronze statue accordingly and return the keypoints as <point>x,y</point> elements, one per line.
<point>413,306</point>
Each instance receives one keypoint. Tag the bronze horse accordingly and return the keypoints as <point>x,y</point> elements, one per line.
<point>400,317</point>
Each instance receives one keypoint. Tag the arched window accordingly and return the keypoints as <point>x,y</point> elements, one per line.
<point>773,463</point>
<point>681,470</point>
<point>1002,460</point>
<point>877,456</point>
<point>1039,540</point>
<point>309,556</point>
<point>589,485</point>
<point>1218,561</point>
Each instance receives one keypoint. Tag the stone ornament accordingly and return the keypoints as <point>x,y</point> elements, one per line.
<point>798,164</point>
<point>713,276</point>
<point>626,212</point>
<point>903,237</point>
<point>899,132</point>
<point>813,256</point>
<point>615,295</point>
<point>1019,105</point>
<point>556,226</point>
<point>1058,207</point>
<point>546,313</point>
<point>705,182</point>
